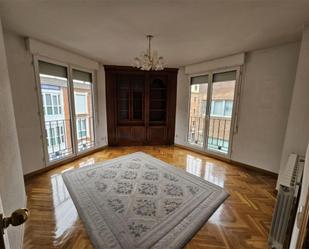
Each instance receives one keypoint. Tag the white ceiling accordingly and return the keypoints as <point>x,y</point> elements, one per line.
<point>185,32</point>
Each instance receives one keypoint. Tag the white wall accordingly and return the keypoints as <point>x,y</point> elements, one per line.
<point>267,84</point>
<point>26,103</point>
<point>264,106</point>
<point>182,107</point>
<point>12,191</point>
<point>297,132</point>
<point>101,130</point>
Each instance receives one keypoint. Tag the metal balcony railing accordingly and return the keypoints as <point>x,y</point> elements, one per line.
<point>59,136</point>
<point>85,135</point>
<point>218,133</point>
<point>59,143</point>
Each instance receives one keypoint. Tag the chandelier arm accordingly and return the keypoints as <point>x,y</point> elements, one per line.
<point>148,61</point>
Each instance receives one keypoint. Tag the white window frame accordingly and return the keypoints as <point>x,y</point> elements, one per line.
<point>44,135</point>
<point>59,106</point>
<point>234,117</point>
<point>81,130</point>
<point>94,102</point>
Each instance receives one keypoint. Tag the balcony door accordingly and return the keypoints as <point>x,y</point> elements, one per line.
<point>66,102</point>
<point>212,112</point>
<point>198,109</point>
<point>83,106</point>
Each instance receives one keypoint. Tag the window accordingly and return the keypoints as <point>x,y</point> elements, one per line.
<point>56,140</point>
<point>217,108</point>
<point>211,111</point>
<point>80,103</point>
<point>51,103</point>
<point>228,107</point>
<point>221,108</point>
<point>199,86</point>
<point>57,105</point>
<point>83,94</point>
<point>81,128</point>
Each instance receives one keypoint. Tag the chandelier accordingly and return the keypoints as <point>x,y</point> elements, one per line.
<point>149,60</point>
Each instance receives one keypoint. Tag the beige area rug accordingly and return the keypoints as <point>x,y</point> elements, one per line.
<point>137,201</point>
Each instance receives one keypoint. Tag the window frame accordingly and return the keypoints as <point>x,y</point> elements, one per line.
<point>94,104</point>
<point>235,110</point>
<point>196,88</point>
<point>79,125</point>
<point>44,135</point>
<point>59,106</point>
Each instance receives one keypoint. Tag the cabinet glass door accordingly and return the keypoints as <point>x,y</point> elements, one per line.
<point>157,101</point>
<point>123,95</point>
<point>137,93</point>
<point>130,99</point>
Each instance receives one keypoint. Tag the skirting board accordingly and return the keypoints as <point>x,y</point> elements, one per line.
<point>34,173</point>
<point>235,163</point>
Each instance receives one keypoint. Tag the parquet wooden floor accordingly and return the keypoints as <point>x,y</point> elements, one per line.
<point>241,222</point>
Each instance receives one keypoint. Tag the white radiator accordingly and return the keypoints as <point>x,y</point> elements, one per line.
<point>286,199</point>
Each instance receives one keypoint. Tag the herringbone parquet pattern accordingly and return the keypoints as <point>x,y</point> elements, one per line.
<point>242,222</point>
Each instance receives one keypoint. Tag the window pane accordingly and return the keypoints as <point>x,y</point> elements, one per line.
<point>217,108</point>
<point>83,109</point>
<point>48,99</point>
<point>80,103</point>
<point>53,141</point>
<point>198,105</point>
<point>79,125</point>
<point>49,110</point>
<point>84,124</point>
<point>222,98</point>
<point>228,108</point>
<point>55,101</point>
<point>54,86</point>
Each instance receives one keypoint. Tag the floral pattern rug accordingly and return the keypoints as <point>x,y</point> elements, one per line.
<point>137,201</point>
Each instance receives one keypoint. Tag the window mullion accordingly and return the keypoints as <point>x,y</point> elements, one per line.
<point>72,110</point>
